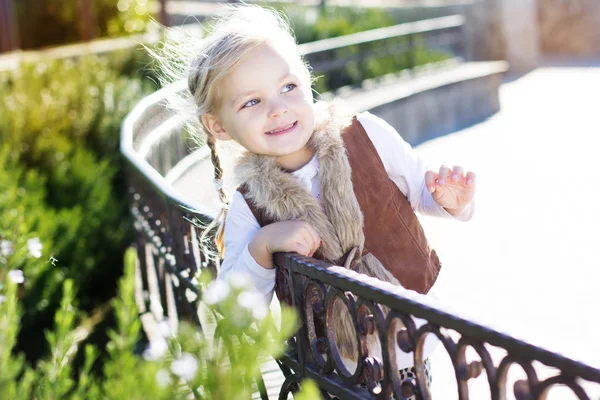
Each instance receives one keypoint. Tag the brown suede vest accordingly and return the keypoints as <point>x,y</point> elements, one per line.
<point>392,231</point>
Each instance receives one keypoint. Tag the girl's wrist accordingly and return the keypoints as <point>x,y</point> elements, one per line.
<point>259,250</point>
<point>455,211</point>
<point>452,212</point>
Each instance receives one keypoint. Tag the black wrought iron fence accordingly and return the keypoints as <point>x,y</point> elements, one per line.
<point>312,288</point>
<point>169,257</point>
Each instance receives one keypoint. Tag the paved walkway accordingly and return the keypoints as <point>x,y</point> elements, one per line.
<point>528,262</point>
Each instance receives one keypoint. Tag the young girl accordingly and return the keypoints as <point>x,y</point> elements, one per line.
<point>314,180</point>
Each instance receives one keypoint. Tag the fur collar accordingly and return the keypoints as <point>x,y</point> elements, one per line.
<point>283,197</point>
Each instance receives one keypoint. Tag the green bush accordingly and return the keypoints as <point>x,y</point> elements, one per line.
<point>336,21</point>
<point>310,25</point>
<point>59,146</point>
<point>24,218</point>
<point>191,366</point>
<point>53,22</point>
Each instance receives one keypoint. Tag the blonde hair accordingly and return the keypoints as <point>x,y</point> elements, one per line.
<point>231,37</point>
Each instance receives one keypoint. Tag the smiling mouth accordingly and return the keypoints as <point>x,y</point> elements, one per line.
<point>282,130</point>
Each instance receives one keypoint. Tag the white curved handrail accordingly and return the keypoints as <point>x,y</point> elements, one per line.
<point>127,137</point>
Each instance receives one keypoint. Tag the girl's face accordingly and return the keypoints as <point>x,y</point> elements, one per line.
<point>265,104</point>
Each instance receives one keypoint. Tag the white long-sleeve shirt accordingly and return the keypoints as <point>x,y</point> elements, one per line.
<point>402,164</point>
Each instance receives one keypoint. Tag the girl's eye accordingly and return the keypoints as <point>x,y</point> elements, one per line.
<point>251,103</point>
<point>289,87</point>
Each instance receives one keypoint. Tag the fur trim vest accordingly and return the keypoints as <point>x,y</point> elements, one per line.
<point>364,221</point>
<point>361,208</point>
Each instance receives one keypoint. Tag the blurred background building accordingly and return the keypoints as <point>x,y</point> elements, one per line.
<point>515,30</point>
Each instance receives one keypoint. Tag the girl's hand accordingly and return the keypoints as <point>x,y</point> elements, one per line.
<point>452,190</point>
<point>283,236</point>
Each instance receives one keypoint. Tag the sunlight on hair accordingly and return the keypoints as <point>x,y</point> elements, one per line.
<point>204,62</point>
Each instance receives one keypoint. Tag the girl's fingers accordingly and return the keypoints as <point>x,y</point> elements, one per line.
<point>430,178</point>
<point>315,236</point>
<point>312,239</point>
<point>301,248</point>
<point>316,240</point>
<point>457,173</point>
<point>470,178</point>
<point>443,175</point>
<point>308,241</point>
<point>315,248</point>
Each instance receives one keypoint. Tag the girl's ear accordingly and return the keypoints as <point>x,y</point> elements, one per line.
<point>215,127</point>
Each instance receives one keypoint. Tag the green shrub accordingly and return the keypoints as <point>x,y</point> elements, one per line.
<point>310,25</point>
<point>192,365</point>
<point>53,22</point>
<point>24,218</point>
<point>59,144</point>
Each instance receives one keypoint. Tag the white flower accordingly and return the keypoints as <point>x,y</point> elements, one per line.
<point>155,306</point>
<point>238,280</point>
<point>155,350</point>
<point>165,329</point>
<point>255,302</point>
<point>163,378</point>
<point>190,295</point>
<point>185,366</point>
<point>16,275</point>
<point>216,292</point>
<point>6,247</point>
<point>35,247</point>
<point>260,313</point>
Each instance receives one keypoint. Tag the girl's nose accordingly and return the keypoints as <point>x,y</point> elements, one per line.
<point>277,109</point>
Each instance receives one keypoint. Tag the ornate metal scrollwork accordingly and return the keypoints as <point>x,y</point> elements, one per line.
<point>339,303</point>
<point>314,308</point>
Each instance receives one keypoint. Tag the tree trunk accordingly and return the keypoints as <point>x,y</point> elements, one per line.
<point>9,38</point>
<point>86,21</point>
